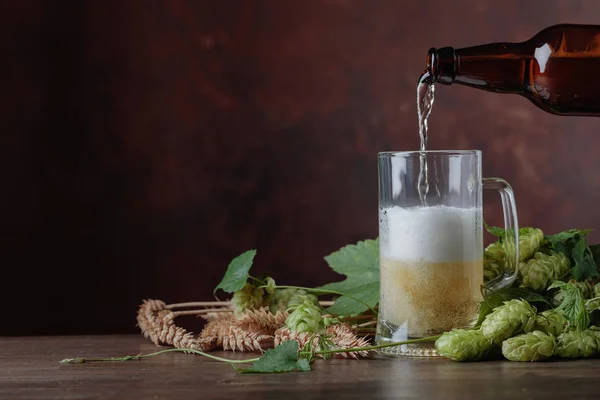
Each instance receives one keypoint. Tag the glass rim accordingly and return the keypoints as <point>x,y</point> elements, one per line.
<point>414,153</point>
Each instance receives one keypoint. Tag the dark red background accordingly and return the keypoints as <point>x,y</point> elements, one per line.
<point>146,143</point>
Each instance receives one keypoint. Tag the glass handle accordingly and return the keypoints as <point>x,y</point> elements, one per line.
<point>511,233</point>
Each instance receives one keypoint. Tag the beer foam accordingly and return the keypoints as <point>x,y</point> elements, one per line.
<point>437,234</point>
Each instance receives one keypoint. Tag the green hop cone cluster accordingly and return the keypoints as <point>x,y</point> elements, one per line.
<point>248,298</point>
<point>578,344</point>
<point>539,272</point>
<point>284,299</point>
<point>493,261</point>
<point>509,319</point>
<point>532,346</point>
<point>305,318</point>
<point>550,322</point>
<point>463,345</point>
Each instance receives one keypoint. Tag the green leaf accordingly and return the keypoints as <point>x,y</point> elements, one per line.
<point>487,305</point>
<point>525,294</point>
<point>595,250</point>
<point>494,230</point>
<point>566,235</point>
<point>557,284</point>
<point>500,232</point>
<point>585,266</point>
<point>283,358</point>
<point>565,241</point>
<point>237,272</point>
<point>368,294</point>
<point>573,307</point>
<point>360,264</point>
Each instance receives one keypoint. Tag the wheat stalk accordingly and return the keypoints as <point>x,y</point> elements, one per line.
<point>157,323</point>
<point>341,336</point>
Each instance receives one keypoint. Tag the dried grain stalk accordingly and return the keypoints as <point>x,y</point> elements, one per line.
<point>157,323</point>
<point>341,335</point>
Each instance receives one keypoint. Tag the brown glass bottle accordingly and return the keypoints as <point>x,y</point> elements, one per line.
<point>558,69</point>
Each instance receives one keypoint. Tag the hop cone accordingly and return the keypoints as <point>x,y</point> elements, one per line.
<point>494,252</point>
<point>586,288</point>
<point>577,344</point>
<point>596,290</point>
<point>283,299</point>
<point>299,298</point>
<point>592,305</point>
<point>463,345</point>
<point>270,285</point>
<point>491,270</point>
<point>305,318</point>
<point>540,271</point>
<point>596,332</point>
<point>514,317</point>
<point>249,297</point>
<point>550,322</point>
<point>533,346</point>
<point>493,261</point>
<point>530,240</point>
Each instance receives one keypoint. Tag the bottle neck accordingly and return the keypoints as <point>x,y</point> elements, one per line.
<point>442,65</point>
<point>497,67</point>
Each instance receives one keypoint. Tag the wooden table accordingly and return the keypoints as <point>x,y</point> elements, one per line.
<point>30,369</point>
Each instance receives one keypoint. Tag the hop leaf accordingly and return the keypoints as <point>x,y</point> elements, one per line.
<point>514,317</point>
<point>236,274</point>
<point>585,288</point>
<point>541,270</point>
<point>305,318</point>
<point>247,298</point>
<point>572,305</point>
<point>550,322</point>
<point>585,266</point>
<point>533,346</point>
<point>360,264</point>
<point>463,345</point>
<point>283,358</point>
<point>577,344</point>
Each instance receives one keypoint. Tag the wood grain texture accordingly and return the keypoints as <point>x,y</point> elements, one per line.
<point>144,144</point>
<point>29,369</point>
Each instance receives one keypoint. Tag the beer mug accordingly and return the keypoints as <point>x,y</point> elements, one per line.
<point>431,245</point>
